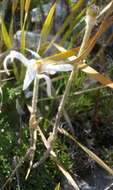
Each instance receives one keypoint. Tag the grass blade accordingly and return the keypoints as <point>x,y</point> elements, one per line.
<point>89,152</point>
<point>67,21</point>
<point>57,187</point>
<point>60,166</point>
<point>90,71</point>
<point>48,23</point>
<point>14,6</point>
<point>6,37</point>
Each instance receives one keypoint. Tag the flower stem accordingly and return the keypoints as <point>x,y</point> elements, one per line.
<point>33,124</point>
<point>90,22</point>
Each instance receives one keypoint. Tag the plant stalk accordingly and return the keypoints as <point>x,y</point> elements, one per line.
<point>90,22</point>
<point>33,124</point>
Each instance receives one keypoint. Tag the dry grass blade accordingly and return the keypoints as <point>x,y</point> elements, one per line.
<point>107,7</point>
<point>73,94</point>
<point>27,5</point>
<point>95,75</point>
<point>57,57</point>
<point>85,67</point>
<point>89,152</point>
<point>3,71</point>
<point>67,53</point>
<point>60,166</point>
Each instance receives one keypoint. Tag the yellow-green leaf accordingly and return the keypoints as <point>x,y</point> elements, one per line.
<point>69,18</point>
<point>6,37</point>
<point>23,40</point>
<point>48,22</point>
<point>22,5</point>
<point>57,187</point>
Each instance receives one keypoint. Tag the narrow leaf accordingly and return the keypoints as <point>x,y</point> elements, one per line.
<point>48,22</point>
<point>59,56</point>
<point>6,37</point>
<point>14,6</point>
<point>95,75</point>
<point>89,152</point>
<point>54,157</point>
<point>57,187</point>
<point>27,5</point>
<point>90,71</point>
<point>22,3</point>
<point>23,40</point>
<point>66,174</point>
<point>78,5</point>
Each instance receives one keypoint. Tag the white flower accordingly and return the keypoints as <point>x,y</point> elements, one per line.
<point>35,69</point>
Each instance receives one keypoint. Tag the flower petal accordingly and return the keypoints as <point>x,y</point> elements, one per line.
<point>6,61</point>
<point>48,82</point>
<point>30,75</point>
<point>56,68</point>
<point>14,54</point>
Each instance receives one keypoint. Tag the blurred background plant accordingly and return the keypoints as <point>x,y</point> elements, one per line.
<point>22,27</point>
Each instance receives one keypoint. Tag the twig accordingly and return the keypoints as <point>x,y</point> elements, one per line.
<point>18,165</point>
<point>15,162</point>
<point>75,93</point>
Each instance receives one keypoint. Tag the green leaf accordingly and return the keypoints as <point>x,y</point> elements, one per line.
<point>57,187</point>
<point>23,39</point>
<point>14,6</point>
<point>69,19</point>
<point>48,23</point>
<point>22,3</point>
<point>6,37</point>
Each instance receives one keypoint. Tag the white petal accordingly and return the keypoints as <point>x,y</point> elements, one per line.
<point>6,61</point>
<point>30,75</point>
<point>56,68</point>
<point>72,58</point>
<point>12,56</point>
<point>16,55</point>
<point>20,57</point>
<point>48,82</point>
